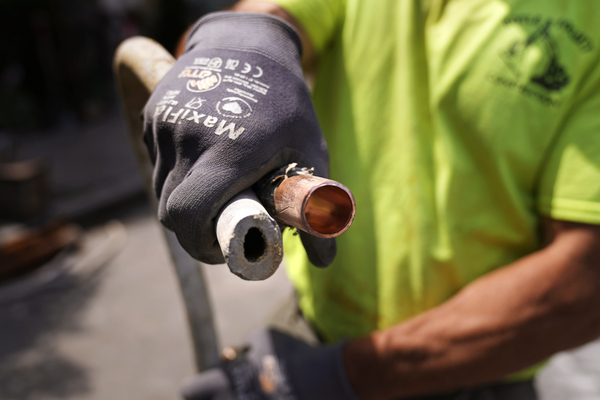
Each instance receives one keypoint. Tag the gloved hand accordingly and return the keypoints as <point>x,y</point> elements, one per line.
<point>233,108</point>
<point>276,367</point>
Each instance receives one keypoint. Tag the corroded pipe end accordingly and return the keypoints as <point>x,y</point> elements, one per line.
<point>249,238</point>
<point>254,250</point>
<point>318,206</point>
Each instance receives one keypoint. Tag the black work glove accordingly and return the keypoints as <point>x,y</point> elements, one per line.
<point>276,367</point>
<point>233,108</point>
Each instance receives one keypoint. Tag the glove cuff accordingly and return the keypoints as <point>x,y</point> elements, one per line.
<point>264,34</point>
<point>341,371</point>
<point>327,375</point>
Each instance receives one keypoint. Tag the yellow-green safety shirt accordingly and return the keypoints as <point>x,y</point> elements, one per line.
<point>457,124</point>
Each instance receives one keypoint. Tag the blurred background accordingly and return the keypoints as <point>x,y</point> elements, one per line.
<point>89,303</point>
<point>90,307</point>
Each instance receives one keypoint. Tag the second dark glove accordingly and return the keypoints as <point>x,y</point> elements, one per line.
<point>276,367</point>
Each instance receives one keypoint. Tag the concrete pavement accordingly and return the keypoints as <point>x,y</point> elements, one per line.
<point>119,332</point>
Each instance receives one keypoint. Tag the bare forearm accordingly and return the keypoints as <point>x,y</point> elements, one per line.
<point>499,324</point>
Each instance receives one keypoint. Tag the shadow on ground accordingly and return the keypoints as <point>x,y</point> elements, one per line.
<point>31,323</point>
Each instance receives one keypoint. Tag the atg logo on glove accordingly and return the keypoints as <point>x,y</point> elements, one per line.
<point>204,81</point>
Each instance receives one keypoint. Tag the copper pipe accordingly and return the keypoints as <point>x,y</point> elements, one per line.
<point>318,206</point>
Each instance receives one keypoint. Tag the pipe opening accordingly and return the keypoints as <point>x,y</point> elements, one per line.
<point>255,245</point>
<point>329,210</point>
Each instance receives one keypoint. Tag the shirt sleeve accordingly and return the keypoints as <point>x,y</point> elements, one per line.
<point>319,18</point>
<point>570,182</point>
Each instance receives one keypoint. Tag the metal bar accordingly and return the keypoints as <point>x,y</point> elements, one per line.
<point>140,63</point>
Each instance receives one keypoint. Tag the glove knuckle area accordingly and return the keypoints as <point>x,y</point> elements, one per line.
<point>193,206</point>
<point>193,224</point>
<point>166,180</point>
<point>298,128</point>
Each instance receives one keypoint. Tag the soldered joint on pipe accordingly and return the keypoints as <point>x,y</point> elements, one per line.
<point>319,206</point>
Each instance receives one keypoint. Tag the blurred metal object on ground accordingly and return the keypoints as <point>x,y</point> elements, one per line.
<point>83,260</point>
<point>24,189</point>
<point>24,251</point>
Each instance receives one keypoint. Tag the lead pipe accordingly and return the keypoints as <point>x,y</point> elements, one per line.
<point>249,237</point>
